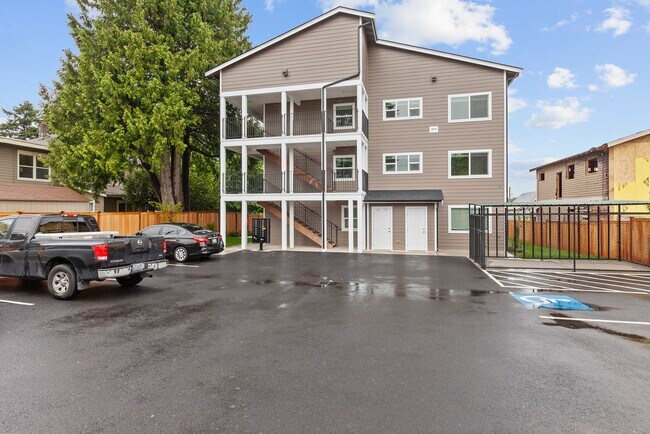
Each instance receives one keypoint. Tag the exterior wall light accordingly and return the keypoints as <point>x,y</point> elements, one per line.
<point>285,73</point>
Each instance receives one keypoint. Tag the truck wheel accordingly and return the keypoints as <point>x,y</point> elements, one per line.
<point>180,254</point>
<point>128,281</point>
<point>62,282</point>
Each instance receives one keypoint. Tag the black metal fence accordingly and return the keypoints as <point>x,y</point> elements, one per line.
<point>576,236</point>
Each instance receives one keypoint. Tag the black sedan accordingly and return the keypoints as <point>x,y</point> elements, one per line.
<point>186,240</point>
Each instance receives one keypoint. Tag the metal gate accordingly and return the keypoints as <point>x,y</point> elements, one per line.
<point>597,235</point>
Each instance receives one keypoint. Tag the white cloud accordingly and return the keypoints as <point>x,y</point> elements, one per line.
<point>269,5</point>
<point>515,103</point>
<point>561,78</point>
<point>520,178</point>
<point>614,76</point>
<point>619,21</point>
<point>426,22</point>
<point>593,87</point>
<point>514,149</point>
<point>564,22</point>
<point>567,111</point>
<point>644,2</point>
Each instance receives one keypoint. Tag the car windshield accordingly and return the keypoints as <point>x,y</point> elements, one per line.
<point>196,229</point>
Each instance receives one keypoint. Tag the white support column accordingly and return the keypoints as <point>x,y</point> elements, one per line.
<point>222,220</point>
<point>284,113</point>
<point>435,227</point>
<point>244,224</point>
<point>222,116</point>
<point>359,162</point>
<point>284,225</point>
<point>361,226</point>
<point>291,168</point>
<point>244,115</point>
<point>244,168</point>
<point>292,225</point>
<point>359,106</point>
<point>283,165</point>
<point>291,111</point>
<point>325,227</point>
<point>222,165</point>
<point>350,225</point>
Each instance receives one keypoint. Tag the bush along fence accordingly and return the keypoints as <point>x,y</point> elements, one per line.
<point>126,223</point>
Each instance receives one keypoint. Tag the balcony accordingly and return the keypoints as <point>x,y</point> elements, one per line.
<point>294,182</point>
<point>296,124</point>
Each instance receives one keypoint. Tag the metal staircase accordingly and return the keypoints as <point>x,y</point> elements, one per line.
<point>308,222</point>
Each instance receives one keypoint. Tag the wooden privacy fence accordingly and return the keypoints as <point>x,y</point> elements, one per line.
<point>131,222</point>
<point>628,240</point>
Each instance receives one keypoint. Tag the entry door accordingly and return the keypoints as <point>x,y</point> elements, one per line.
<point>382,227</point>
<point>558,185</point>
<point>416,228</point>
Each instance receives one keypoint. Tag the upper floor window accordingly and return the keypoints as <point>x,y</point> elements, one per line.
<point>30,167</point>
<point>571,171</point>
<point>344,116</point>
<point>592,165</point>
<point>344,167</point>
<point>542,176</point>
<point>396,109</point>
<point>470,164</point>
<point>403,163</point>
<point>470,107</point>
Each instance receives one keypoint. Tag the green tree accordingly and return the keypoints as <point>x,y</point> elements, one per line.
<point>22,122</point>
<point>134,91</point>
<point>138,191</point>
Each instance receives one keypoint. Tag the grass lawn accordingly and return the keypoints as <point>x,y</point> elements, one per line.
<point>535,251</point>
<point>234,241</point>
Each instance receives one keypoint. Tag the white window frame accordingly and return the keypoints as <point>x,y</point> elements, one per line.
<point>408,172</point>
<point>456,231</point>
<point>469,95</point>
<point>344,227</point>
<point>383,108</point>
<point>34,156</point>
<point>353,168</point>
<point>91,206</point>
<point>354,121</point>
<point>481,151</point>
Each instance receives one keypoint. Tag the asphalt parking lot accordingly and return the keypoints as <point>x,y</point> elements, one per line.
<point>304,342</point>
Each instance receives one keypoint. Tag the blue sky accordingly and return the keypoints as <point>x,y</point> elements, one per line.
<point>586,78</point>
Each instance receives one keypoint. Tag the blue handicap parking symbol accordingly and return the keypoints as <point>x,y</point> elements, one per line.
<point>548,301</point>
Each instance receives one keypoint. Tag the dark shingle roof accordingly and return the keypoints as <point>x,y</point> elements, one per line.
<point>404,196</point>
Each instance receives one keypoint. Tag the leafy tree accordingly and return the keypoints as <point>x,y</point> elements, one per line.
<point>138,191</point>
<point>134,91</point>
<point>22,122</point>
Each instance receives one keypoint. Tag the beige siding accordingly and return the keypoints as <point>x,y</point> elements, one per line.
<point>398,74</point>
<point>49,207</point>
<point>583,186</point>
<point>324,52</point>
<point>9,164</point>
<point>399,225</point>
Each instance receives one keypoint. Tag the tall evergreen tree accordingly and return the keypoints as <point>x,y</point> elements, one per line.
<point>22,122</point>
<point>134,92</point>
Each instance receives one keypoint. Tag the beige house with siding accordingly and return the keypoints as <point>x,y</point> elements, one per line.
<point>366,143</point>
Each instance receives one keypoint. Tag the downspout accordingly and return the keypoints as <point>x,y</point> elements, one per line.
<point>323,153</point>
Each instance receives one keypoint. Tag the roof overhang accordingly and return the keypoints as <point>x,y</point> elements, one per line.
<point>597,150</point>
<point>627,138</point>
<point>23,144</point>
<point>403,196</point>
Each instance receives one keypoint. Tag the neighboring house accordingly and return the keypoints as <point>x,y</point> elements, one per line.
<point>629,167</point>
<point>528,197</point>
<point>410,141</point>
<point>581,176</point>
<point>25,180</point>
<point>110,200</point>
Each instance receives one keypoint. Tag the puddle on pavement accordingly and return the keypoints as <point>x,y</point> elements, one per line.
<point>574,325</point>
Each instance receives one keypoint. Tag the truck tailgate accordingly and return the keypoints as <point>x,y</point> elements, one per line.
<point>134,249</point>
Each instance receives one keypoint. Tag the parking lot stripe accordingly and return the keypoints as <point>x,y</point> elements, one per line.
<point>492,277</point>
<point>537,280</point>
<point>183,265</point>
<point>594,320</point>
<point>605,281</point>
<point>17,302</point>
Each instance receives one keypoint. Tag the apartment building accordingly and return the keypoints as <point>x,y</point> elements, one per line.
<point>366,144</point>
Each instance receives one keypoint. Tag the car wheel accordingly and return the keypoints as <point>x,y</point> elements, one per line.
<point>180,254</point>
<point>128,281</point>
<point>62,282</point>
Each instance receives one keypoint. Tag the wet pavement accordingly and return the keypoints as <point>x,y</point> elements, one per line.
<point>304,342</point>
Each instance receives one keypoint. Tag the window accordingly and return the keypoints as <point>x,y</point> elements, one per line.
<point>344,167</point>
<point>403,163</point>
<point>571,171</point>
<point>344,116</point>
<point>542,176</point>
<point>470,164</point>
<point>122,206</point>
<point>470,107</point>
<point>20,229</point>
<point>153,230</point>
<point>170,230</point>
<point>397,109</point>
<point>345,218</point>
<point>30,167</point>
<point>458,219</point>
<point>91,206</point>
<point>5,225</point>
<point>592,165</point>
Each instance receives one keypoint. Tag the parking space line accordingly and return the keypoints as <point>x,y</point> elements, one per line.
<point>602,279</point>
<point>17,302</point>
<point>492,277</point>
<point>636,279</point>
<point>571,281</point>
<point>182,265</point>
<point>594,320</point>
<point>554,283</point>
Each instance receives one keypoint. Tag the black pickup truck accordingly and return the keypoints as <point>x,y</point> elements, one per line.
<point>70,251</point>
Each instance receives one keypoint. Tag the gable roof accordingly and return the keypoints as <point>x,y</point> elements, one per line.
<point>36,144</point>
<point>529,196</point>
<point>368,15</point>
<point>599,149</point>
<point>39,193</point>
<point>628,138</point>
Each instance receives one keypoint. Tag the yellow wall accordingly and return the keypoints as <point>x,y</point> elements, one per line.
<point>629,171</point>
